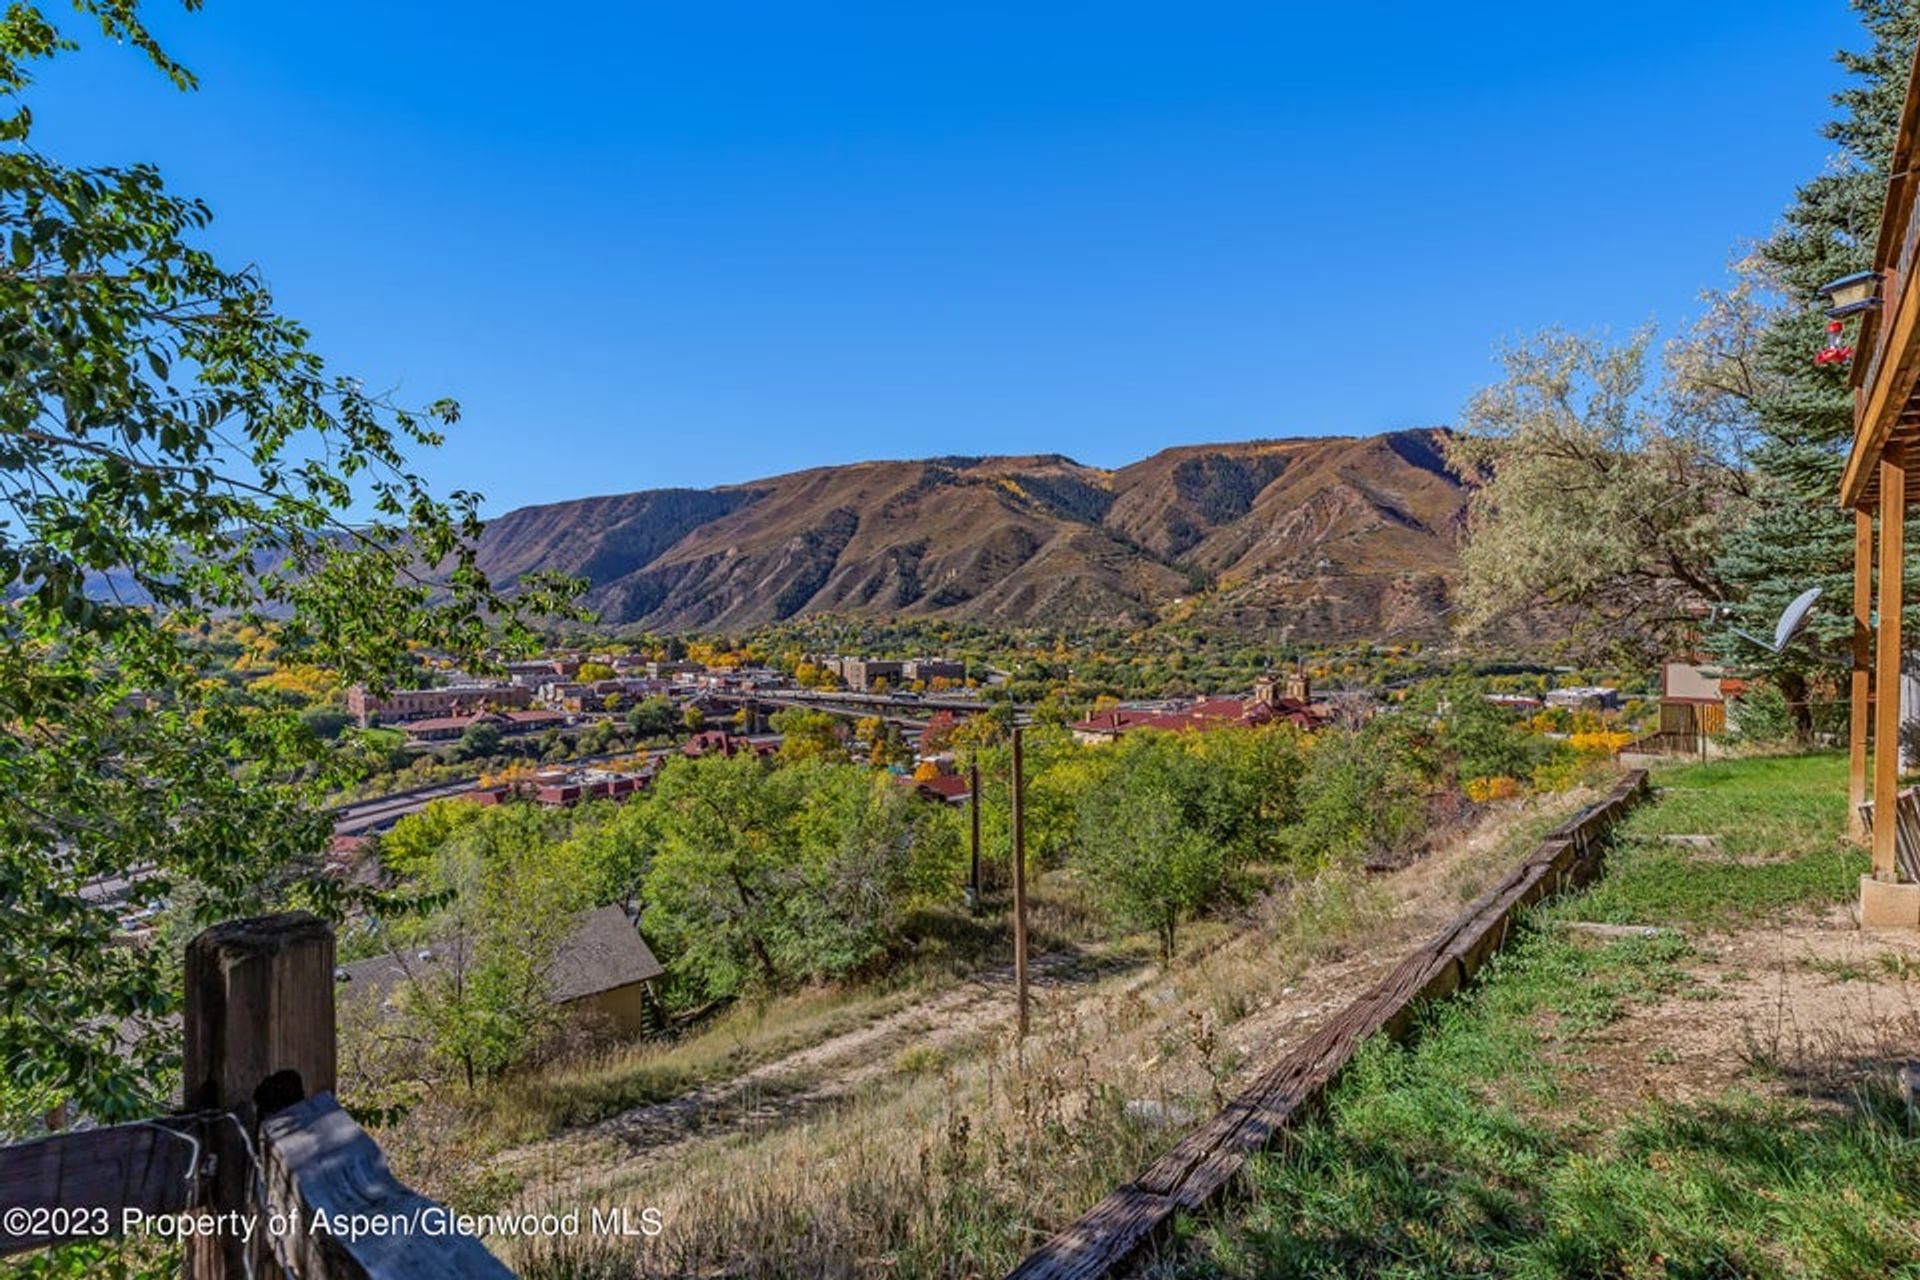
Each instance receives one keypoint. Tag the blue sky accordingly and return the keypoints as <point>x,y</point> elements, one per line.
<point>656,244</point>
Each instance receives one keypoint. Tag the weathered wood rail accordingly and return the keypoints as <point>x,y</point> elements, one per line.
<point>1906,831</point>
<point>262,1149</point>
<point>1202,1168</point>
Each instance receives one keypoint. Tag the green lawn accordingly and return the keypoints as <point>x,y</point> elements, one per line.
<point>1478,1150</point>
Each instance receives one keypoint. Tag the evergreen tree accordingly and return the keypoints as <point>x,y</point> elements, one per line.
<point>1802,413</point>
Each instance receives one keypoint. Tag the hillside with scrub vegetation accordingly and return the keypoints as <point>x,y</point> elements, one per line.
<point>837,1067</point>
<point>1690,1068</point>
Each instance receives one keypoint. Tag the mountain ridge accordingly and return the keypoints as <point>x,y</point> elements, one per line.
<point>1341,535</point>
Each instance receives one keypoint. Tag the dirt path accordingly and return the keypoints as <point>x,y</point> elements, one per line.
<point>797,1083</point>
<point>1285,1006</point>
<point>1811,1005</point>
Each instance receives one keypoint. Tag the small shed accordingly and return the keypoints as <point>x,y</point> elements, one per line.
<point>603,968</point>
<point>1693,700</point>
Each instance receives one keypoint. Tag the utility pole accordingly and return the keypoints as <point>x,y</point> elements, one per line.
<point>1019,885</point>
<point>973,794</point>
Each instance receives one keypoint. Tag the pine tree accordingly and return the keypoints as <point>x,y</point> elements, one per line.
<point>1803,412</point>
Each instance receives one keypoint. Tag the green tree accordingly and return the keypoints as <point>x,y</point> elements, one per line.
<point>1145,841</point>
<point>590,672</point>
<point>713,892</point>
<point>512,887</point>
<point>164,429</point>
<point>1478,736</point>
<point>652,718</point>
<point>1598,489</point>
<point>616,849</point>
<point>409,847</point>
<point>479,740</point>
<point>1802,413</point>
<point>1364,792</point>
<point>890,748</point>
<point>807,735</point>
<point>767,877</point>
<point>325,722</point>
<point>596,739</point>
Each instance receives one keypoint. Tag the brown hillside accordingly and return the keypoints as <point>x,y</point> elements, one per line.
<point>1339,536</point>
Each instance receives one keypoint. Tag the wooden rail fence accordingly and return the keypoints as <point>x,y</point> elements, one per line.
<point>1906,831</point>
<point>261,1140</point>
<point>1202,1168</point>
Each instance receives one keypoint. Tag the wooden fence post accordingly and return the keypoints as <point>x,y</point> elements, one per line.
<point>973,805</point>
<point>259,1038</point>
<point>1019,883</point>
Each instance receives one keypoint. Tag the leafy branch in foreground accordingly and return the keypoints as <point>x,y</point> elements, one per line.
<point>171,451</point>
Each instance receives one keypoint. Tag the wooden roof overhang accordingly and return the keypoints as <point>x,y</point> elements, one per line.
<point>1886,367</point>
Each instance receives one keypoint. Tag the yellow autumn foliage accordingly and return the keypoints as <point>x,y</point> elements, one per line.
<point>1481,790</point>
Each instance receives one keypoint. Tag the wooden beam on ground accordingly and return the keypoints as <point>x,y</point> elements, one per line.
<point>1886,726</point>
<point>77,1186</point>
<point>319,1167</point>
<point>1200,1169</point>
<point>1861,678</point>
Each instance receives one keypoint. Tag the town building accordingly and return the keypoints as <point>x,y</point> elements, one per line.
<point>562,788</point>
<point>1273,700</point>
<point>860,673</point>
<point>1576,697</point>
<point>448,728</point>
<point>1515,701</point>
<point>944,788</point>
<point>538,671</point>
<point>1694,700</point>
<point>718,742</point>
<point>369,708</point>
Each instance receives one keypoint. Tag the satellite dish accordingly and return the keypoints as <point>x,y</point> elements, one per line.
<point>1792,618</point>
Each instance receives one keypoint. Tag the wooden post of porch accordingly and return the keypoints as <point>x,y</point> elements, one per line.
<point>1886,719</point>
<point>1862,672</point>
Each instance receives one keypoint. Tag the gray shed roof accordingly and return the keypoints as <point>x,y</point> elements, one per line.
<point>604,952</point>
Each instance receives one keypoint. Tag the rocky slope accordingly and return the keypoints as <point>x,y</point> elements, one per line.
<point>1335,538</point>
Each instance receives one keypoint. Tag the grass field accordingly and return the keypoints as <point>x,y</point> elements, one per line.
<point>1616,1106</point>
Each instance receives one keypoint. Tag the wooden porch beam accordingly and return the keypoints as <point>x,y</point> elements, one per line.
<point>1886,720</point>
<point>1862,672</point>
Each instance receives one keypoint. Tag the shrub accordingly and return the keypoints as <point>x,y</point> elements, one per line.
<point>1481,790</point>
<point>1762,716</point>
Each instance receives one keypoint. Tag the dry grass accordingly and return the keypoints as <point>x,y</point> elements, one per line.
<point>929,1144</point>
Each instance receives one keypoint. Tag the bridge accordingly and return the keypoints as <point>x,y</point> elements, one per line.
<point>907,710</point>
